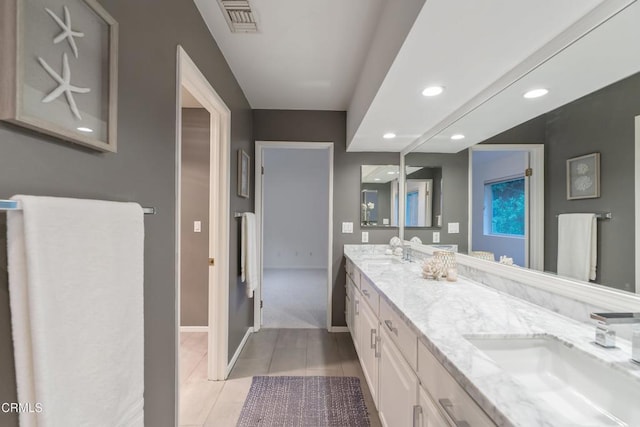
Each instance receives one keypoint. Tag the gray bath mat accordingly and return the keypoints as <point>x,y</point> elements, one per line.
<point>305,402</point>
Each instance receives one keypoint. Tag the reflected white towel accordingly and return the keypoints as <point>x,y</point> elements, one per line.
<point>577,246</point>
<point>76,293</point>
<point>249,253</point>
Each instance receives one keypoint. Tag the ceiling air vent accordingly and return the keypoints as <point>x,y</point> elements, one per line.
<point>239,16</point>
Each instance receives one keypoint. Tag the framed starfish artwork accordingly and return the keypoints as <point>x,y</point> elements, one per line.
<point>58,70</point>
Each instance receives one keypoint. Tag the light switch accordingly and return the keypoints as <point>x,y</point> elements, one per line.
<point>436,237</point>
<point>454,227</point>
<point>197,226</point>
<point>365,237</point>
<point>347,227</point>
<point>385,221</point>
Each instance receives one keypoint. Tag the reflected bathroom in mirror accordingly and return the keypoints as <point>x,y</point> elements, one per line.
<point>423,197</point>
<point>379,186</point>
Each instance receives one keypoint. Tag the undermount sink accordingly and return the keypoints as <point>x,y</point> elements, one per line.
<point>580,389</point>
<point>382,260</point>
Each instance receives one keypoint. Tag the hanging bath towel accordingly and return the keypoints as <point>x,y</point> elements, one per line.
<point>577,246</point>
<point>76,292</point>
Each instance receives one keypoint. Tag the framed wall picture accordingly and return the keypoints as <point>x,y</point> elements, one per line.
<point>244,163</point>
<point>583,177</point>
<point>58,73</point>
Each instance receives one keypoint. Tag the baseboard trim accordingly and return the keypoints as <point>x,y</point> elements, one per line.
<point>194,329</point>
<point>234,359</point>
<point>336,329</point>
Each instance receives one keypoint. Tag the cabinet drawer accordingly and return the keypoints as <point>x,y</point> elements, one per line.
<point>400,333</point>
<point>370,295</point>
<point>352,272</point>
<point>453,402</point>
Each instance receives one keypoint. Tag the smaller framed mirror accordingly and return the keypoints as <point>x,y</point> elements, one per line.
<point>423,197</point>
<point>379,187</point>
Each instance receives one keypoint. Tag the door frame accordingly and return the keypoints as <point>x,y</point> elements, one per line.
<point>535,221</point>
<point>637,201</point>
<point>189,76</point>
<point>260,146</point>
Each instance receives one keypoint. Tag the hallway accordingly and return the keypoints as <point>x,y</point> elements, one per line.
<point>298,352</point>
<point>295,298</point>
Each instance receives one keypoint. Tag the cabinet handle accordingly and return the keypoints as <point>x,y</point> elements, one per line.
<point>366,293</point>
<point>357,307</point>
<point>377,352</point>
<point>417,411</point>
<point>389,324</point>
<point>448,409</point>
<point>373,339</point>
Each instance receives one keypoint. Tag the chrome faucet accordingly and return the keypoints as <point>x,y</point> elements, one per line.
<point>407,253</point>
<point>607,337</point>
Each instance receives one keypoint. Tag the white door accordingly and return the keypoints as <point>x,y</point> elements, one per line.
<point>398,386</point>
<point>368,342</point>
<point>427,412</point>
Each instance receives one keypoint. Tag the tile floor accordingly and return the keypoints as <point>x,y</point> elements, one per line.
<point>268,352</point>
<point>294,298</point>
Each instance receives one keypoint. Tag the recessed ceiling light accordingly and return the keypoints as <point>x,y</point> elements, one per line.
<point>86,130</point>
<point>433,91</point>
<point>536,93</point>
<point>389,135</point>
<point>376,179</point>
<point>457,136</point>
<point>391,173</point>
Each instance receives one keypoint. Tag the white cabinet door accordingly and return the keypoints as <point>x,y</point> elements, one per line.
<point>427,413</point>
<point>398,386</point>
<point>355,317</point>
<point>369,344</point>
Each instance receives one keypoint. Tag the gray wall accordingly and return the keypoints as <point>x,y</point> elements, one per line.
<point>330,126</point>
<point>143,170</point>
<point>194,247</point>
<point>383,207</point>
<point>600,122</point>
<point>455,196</point>
<point>295,210</point>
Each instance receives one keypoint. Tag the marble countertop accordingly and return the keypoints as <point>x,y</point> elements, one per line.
<point>442,313</point>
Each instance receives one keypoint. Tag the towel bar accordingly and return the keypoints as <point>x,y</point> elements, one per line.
<point>239,214</point>
<point>13,205</point>
<point>606,215</point>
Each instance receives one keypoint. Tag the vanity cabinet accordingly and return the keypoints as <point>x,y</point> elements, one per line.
<point>408,385</point>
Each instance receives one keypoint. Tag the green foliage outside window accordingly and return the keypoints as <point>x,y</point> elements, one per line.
<point>508,207</point>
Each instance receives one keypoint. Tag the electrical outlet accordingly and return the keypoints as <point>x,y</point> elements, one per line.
<point>197,226</point>
<point>347,227</point>
<point>453,227</point>
<point>365,237</point>
<point>385,221</point>
<point>436,237</point>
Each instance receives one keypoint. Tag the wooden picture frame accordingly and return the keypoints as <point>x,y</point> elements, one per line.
<point>59,70</point>
<point>244,167</point>
<point>583,177</point>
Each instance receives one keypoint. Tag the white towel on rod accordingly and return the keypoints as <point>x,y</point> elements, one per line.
<point>577,245</point>
<point>249,253</point>
<point>76,295</point>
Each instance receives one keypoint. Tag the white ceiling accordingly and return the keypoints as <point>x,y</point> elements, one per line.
<point>596,60</point>
<point>307,54</point>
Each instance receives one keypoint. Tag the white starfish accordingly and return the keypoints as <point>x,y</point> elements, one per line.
<point>65,85</point>
<point>67,32</point>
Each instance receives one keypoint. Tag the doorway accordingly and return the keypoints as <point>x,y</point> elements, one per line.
<point>506,202</point>
<point>294,205</point>
<point>202,233</point>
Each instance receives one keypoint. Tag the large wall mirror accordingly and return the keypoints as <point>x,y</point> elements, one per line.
<point>599,113</point>
<point>379,185</point>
